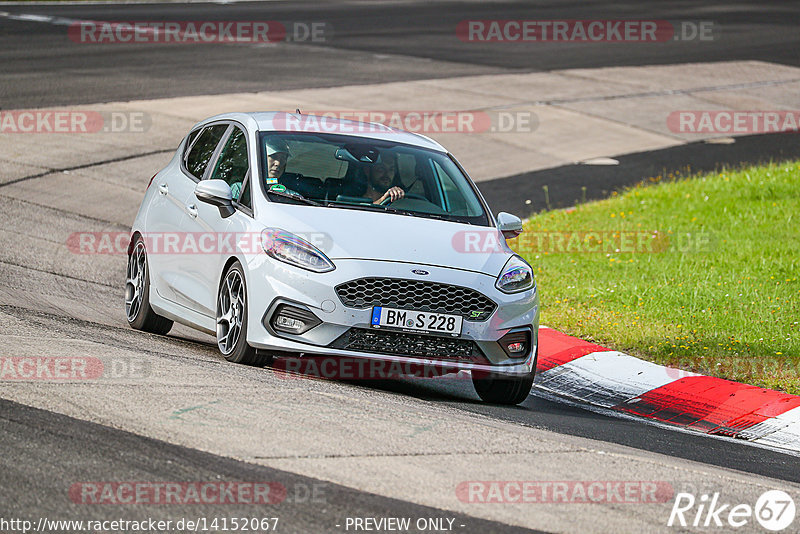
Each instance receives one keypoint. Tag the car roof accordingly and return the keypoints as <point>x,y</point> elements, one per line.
<point>267,121</point>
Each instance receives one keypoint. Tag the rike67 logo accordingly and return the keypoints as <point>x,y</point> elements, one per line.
<point>774,510</point>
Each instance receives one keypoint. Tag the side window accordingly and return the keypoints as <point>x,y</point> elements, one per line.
<point>232,164</point>
<point>199,155</point>
<point>190,140</point>
<point>455,199</point>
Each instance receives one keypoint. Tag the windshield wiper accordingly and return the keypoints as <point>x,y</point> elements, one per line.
<point>422,214</point>
<point>425,215</point>
<point>290,196</point>
<point>379,207</point>
<point>373,207</point>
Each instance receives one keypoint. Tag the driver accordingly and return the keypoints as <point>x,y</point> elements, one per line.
<point>379,183</point>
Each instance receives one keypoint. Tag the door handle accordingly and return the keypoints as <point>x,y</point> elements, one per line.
<point>163,189</point>
<point>192,210</point>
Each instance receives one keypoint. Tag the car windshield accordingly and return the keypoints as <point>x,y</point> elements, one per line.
<point>342,171</point>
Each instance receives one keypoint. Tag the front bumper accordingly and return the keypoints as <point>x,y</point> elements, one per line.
<point>271,284</point>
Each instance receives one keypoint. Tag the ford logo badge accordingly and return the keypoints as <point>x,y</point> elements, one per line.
<point>420,272</point>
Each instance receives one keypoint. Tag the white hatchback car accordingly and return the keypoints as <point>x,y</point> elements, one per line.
<point>287,234</point>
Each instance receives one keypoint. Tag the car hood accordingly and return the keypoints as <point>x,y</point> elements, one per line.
<point>359,234</point>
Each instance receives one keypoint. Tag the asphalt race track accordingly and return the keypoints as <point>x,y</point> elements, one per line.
<point>41,437</point>
<point>179,412</point>
<point>371,42</point>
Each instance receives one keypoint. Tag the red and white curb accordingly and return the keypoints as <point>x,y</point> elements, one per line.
<point>579,370</point>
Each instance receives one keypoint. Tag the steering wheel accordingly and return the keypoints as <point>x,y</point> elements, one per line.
<point>407,195</point>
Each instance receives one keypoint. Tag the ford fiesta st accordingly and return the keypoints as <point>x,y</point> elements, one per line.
<point>288,234</point>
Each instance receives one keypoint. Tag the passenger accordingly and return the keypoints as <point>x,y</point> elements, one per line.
<point>277,155</point>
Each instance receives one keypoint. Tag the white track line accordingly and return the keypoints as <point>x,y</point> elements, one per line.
<point>607,378</point>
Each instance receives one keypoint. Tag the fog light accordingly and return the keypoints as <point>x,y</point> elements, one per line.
<point>288,324</point>
<point>516,348</point>
<point>293,320</point>
<point>516,344</point>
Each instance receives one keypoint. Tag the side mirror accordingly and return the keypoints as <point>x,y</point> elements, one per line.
<point>217,193</point>
<point>509,225</point>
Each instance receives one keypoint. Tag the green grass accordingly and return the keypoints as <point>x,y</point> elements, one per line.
<point>720,293</point>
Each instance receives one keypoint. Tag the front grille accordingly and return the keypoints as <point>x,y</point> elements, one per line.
<point>402,344</point>
<point>416,295</point>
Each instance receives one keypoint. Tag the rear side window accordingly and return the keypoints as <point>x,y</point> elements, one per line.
<point>190,140</point>
<point>200,153</point>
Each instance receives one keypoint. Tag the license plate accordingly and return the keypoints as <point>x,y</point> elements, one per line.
<point>416,321</point>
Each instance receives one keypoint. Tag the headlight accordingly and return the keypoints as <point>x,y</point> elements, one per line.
<point>294,250</point>
<point>516,276</point>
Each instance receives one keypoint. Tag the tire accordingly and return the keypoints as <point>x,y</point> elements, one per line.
<point>137,294</point>
<point>496,388</point>
<point>232,320</point>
